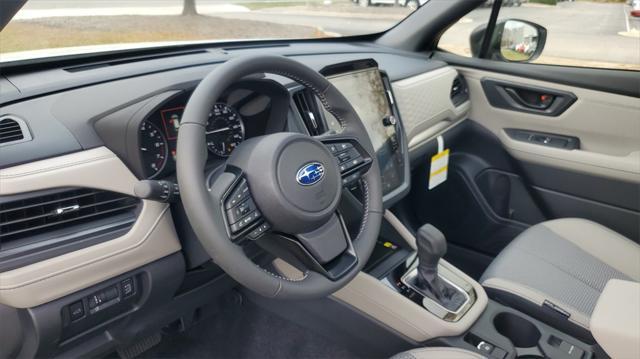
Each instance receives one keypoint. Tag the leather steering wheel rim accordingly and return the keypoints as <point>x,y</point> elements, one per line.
<point>206,216</point>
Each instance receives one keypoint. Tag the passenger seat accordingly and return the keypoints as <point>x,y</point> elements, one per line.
<point>556,270</point>
<point>437,353</point>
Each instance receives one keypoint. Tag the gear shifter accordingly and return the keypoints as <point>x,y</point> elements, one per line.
<point>432,246</point>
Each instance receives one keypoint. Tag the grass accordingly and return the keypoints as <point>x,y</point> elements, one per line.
<point>512,55</point>
<point>58,32</point>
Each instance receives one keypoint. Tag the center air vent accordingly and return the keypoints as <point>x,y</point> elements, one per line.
<point>459,91</point>
<point>308,108</point>
<point>13,130</point>
<point>47,215</point>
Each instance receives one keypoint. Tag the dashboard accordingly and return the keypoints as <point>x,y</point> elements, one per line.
<point>96,132</point>
<point>261,106</point>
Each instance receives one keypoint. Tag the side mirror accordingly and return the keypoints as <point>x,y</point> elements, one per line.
<point>512,41</point>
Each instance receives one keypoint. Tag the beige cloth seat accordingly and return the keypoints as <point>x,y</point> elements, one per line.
<point>438,353</point>
<point>557,270</point>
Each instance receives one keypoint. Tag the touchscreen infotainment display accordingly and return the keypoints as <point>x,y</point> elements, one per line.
<point>366,92</point>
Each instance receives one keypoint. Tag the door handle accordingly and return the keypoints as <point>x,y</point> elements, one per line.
<point>527,98</point>
<point>534,100</point>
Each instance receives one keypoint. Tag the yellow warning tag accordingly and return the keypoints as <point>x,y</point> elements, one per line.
<point>439,165</point>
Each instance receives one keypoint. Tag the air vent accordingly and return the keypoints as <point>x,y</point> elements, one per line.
<point>53,212</point>
<point>307,106</point>
<point>459,91</point>
<point>13,130</point>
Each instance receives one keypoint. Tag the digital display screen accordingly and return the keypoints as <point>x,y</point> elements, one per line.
<point>171,121</point>
<point>366,92</point>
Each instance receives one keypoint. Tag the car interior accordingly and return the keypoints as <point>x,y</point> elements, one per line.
<point>367,196</point>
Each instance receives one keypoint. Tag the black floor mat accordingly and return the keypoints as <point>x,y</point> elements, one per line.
<point>246,331</point>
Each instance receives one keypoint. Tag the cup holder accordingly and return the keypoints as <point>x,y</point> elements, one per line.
<point>521,332</point>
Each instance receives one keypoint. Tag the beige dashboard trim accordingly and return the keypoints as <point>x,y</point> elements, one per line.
<point>152,237</point>
<point>379,302</point>
<point>425,105</point>
<point>375,299</point>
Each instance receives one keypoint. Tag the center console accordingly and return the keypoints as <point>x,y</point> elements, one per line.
<point>475,322</point>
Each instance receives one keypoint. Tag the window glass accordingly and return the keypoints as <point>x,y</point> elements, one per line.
<point>43,28</point>
<point>456,38</point>
<point>598,33</point>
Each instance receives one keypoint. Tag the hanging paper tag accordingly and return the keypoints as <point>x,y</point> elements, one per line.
<point>439,165</point>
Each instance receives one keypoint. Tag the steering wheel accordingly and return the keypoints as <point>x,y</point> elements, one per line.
<point>281,190</point>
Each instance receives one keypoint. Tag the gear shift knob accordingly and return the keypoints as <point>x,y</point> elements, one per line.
<point>432,246</point>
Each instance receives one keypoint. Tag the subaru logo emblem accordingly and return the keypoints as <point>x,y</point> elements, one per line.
<point>310,174</point>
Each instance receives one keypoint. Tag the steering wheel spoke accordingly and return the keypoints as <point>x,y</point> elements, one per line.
<point>241,214</point>
<point>327,250</point>
<point>351,157</point>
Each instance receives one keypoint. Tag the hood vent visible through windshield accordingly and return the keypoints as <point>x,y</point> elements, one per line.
<point>25,219</point>
<point>307,106</point>
<point>13,130</point>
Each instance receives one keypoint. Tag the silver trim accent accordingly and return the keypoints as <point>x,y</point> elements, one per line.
<point>68,209</point>
<point>390,95</point>
<point>409,278</point>
<point>24,128</point>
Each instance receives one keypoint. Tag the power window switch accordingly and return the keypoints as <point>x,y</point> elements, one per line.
<point>76,311</point>
<point>127,287</point>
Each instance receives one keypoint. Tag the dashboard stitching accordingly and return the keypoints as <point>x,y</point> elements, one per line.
<point>48,169</point>
<point>95,260</point>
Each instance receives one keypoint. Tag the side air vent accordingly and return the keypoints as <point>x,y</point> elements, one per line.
<point>59,213</point>
<point>13,130</point>
<point>307,106</point>
<point>459,91</point>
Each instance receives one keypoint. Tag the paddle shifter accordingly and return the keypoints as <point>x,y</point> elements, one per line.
<point>432,246</point>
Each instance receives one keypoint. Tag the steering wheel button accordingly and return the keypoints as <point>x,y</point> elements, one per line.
<point>260,230</point>
<point>344,156</point>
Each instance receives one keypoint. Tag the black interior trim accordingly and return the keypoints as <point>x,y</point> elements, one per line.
<point>542,313</point>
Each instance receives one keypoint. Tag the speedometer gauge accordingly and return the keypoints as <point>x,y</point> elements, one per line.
<point>225,130</point>
<point>154,149</point>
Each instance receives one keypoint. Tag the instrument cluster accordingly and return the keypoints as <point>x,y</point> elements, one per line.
<point>240,114</point>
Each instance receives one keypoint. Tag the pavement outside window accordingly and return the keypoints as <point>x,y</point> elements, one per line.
<point>579,33</point>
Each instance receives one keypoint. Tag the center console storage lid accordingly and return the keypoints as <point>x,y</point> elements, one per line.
<point>615,322</point>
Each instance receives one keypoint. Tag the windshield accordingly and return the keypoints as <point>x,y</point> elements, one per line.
<point>57,27</point>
